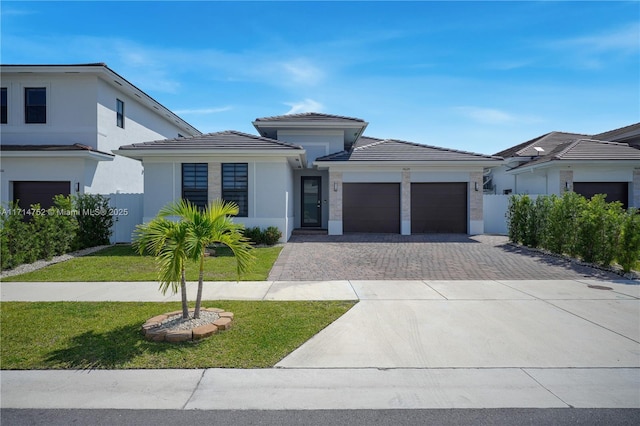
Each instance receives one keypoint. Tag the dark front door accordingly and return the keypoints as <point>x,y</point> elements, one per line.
<point>311,201</point>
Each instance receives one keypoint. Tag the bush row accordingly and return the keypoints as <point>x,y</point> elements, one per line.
<point>593,230</point>
<point>73,223</point>
<point>268,236</point>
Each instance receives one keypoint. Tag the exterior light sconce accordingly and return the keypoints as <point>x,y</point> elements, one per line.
<point>475,185</point>
<point>566,185</point>
<point>335,186</point>
<point>77,186</point>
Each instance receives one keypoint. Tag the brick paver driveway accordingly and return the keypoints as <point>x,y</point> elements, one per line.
<point>432,257</point>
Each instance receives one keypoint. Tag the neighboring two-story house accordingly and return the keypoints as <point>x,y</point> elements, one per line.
<point>318,171</point>
<point>58,127</point>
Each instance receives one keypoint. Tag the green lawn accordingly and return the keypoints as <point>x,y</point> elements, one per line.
<point>106,335</point>
<point>121,263</point>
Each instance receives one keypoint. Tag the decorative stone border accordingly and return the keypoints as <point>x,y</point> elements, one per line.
<point>152,331</point>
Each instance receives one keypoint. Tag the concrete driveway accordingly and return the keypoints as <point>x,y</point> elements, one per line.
<point>481,324</point>
<point>419,257</point>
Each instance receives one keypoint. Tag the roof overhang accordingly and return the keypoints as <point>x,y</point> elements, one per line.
<point>79,154</point>
<point>355,165</point>
<point>295,157</point>
<point>352,131</point>
<point>572,163</point>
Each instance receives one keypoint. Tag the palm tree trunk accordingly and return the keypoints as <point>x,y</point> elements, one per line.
<point>183,293</point>
<point>196,313</point>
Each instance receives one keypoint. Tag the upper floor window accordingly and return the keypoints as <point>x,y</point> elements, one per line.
<point>35,105</point>
<point>195,187</point>
<point>3,105</point>
<point>235,186</point>
<point>120,113</point>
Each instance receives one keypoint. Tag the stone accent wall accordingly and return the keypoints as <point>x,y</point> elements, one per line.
<point>476,197</point>
<point>636,188</point>
<point>405,196</point>
<point>335,197</point>
<point>214,181</point>
<point>565,176</point>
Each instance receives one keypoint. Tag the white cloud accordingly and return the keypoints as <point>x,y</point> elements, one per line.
<point>307,105</point>
<point>493,116</point>
<point>625,39</point>
<point>302,71</point>
<point>200,111</point>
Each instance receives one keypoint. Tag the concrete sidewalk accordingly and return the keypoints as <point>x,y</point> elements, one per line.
<point>406,344</point>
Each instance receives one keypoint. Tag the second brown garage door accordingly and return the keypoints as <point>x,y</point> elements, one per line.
<point>616,191</point>
<point>439,208</point>
<point>371,207</point>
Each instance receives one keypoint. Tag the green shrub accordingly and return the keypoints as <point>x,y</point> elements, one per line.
<point>599,230</point>
<point>36,233</point>
<point>271,235</point>
<point>517,217</point>
<point>16,237</point>
<point>94,220</point>
<point>254,234</point>
<point>629,243</point>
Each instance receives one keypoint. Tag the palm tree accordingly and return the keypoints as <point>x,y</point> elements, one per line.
<point>213,225</point>
<point>173,243</point>
<point>166,240</point>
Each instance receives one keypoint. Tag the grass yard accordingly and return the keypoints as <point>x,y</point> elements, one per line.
<point>106,335</point>
<point>121,263</point>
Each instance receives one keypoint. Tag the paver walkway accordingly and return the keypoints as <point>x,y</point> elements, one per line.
<point>429,257</point>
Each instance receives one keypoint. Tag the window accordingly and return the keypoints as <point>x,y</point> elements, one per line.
<point>3,105</point>
<point>35,105</point>
<point>120,113</point>
<point>235,184</point>
<point>194,183</point>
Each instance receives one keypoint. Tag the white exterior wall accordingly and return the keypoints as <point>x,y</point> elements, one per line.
<point>71,110</point>
<point>269,193</point>
<point>38,169</point>
<point>530,183</point>
<point>317,143</point>
<point>81,109</point>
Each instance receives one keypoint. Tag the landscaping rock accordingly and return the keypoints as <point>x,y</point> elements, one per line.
<point>223,323</point>
<point>204,331</point>
<point>178,336</point>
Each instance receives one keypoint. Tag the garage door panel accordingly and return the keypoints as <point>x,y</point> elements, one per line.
<point>39,192</point>
<point>371,207</point>
<point>439,208</point>
<point>616,191</point>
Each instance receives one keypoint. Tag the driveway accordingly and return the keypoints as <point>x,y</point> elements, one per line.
<point>428,257</point>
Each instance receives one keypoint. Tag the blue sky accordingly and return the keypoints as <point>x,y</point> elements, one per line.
<point>476,76</point>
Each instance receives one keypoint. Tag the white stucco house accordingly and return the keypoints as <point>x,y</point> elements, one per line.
<point>318,171</point>
<point>58,127</point>
<point>606,163</point>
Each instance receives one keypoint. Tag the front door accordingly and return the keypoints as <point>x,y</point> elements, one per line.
<point>311,201</point>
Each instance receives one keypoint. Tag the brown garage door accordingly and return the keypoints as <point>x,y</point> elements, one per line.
<point>439,208</point>
<point>616,191</point>
<point>39,192</point>
<point>371,207</point>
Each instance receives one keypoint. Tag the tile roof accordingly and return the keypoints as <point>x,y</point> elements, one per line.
<point>309,116</point>
<point>547,142</point>
<point>228,139</point>
<point>50,148</point>
<point>374,149</point>
<point>622,133</point>
<point>588,149</point>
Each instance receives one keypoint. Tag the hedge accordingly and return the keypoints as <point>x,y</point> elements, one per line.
<point>594,230</point>
<point>73,223</point>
